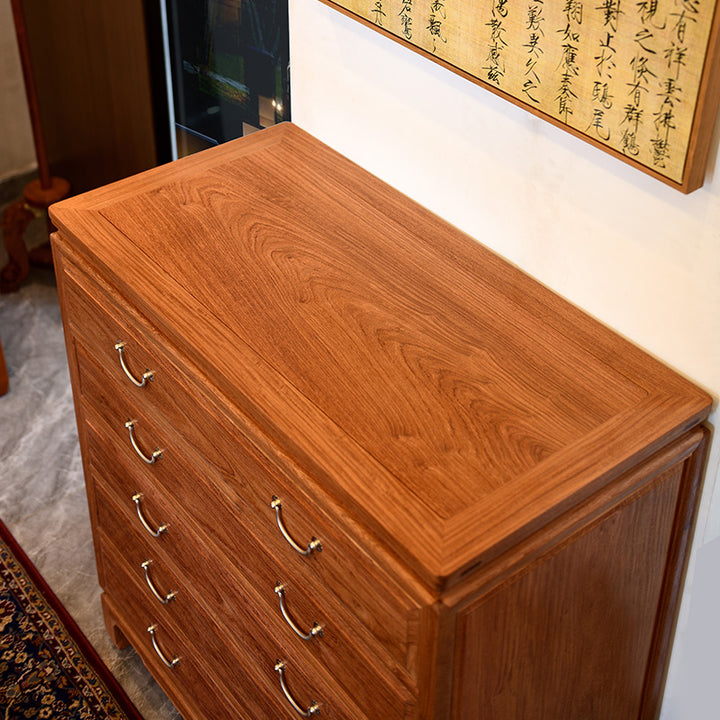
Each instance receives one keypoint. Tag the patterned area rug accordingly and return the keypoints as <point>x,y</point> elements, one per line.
<point>48,669</point>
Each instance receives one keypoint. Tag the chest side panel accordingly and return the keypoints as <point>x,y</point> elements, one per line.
<point>571,634</point>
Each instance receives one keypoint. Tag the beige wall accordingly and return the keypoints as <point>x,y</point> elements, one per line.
<point>638,255</point>
<point>17,152</point>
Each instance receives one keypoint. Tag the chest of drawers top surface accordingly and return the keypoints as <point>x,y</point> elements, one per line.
<point>434,393</point>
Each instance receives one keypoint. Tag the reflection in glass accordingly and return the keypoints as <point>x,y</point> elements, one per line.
<point>229,68</point>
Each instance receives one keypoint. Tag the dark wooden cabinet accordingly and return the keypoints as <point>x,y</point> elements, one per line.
<point>376,469</point>
<point>94,81</point>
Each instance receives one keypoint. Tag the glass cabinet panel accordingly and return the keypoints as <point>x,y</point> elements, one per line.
<point>228,62</point>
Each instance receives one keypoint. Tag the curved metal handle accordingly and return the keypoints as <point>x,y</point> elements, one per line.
<point>164,599</point>
<point>314,543</point>
<point>157,453</point>
<point>313,709</point>
<point>147,375</point>
<point>168,663</point>
<point>315,631</point>
<point>137,499</point>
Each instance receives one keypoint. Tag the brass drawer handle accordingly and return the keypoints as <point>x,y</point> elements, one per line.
<point>313,709</point>
<point>168,663</point>
<point>314,543</point>
<point>157,453</point>
<point>315,631</point>
<point>164,599</point>
<point>147,375</point>
<point>137,499</point>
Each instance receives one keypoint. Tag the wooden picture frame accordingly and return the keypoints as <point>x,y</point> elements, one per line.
<point>639,79</point>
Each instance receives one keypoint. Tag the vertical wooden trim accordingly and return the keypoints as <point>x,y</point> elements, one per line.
<point>112,626</point>
<point>436,653</point>
<point>58,262</point>
<point>675,570</point>
<point>705,113</point>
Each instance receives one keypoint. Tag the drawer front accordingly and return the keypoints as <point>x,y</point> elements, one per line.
<point>185,553</point>
<point>231,639</point>
<point>204,665</point>
<point>247,487</point>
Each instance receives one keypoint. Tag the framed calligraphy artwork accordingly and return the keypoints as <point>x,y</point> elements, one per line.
<point>637,78</point>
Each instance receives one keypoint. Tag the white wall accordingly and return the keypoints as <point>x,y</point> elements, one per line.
<point>17,152</point>
<point>640,256</point>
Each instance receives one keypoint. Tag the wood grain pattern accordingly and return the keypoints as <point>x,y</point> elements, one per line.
<point>485,576</point>
<point>468,433</point>
<point>59,265</point>
<point>90,60</point>
<point>247,371</point>
<point>191,560</point>
<point>245,657</point>
<point>248,485</point>
<point>112,627</point>
<point>705,113</point>
<point>189,682</point>
<point>405,364</point>
<point>505,490</point>
<point>577,609</point>
<point>678,554</point>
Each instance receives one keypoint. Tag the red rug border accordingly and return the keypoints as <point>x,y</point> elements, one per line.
<point>70,625</point>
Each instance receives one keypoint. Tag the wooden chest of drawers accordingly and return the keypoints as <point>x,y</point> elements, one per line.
<point>343,461</point>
